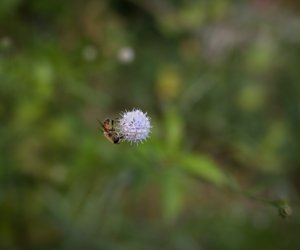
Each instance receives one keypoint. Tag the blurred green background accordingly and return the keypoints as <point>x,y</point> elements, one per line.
<point>220,81</point>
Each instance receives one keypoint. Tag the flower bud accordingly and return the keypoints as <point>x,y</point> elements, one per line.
<point>285,211</point>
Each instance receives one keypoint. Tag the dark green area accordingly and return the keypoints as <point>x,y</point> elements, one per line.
<point>220,81</point>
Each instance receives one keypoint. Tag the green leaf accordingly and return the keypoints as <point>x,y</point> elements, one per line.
<point>174,129</point>
<point>203,167</point>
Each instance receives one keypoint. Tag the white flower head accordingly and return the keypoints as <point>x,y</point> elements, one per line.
<point>134,126</point>
<point>126,55</point>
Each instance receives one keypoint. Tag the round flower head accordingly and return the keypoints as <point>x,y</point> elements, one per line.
<point>134,126</point>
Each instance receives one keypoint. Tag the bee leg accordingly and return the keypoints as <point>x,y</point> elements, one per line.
<point>121,137</point>
<point>112,124</point>
<point>101,126</point>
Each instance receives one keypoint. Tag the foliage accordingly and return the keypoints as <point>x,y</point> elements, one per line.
<point>220,81</point>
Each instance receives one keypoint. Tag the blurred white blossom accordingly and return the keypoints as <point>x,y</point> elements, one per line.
<point>126,55</point>
<point>5,42</point>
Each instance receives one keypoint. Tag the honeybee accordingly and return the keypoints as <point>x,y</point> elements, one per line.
<point>109,131</point>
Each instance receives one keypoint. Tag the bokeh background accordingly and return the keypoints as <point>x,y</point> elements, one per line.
<point>220,81</point>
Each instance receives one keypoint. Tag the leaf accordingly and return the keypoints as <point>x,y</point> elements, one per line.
<point>174,130</point>
<point>203,167</point>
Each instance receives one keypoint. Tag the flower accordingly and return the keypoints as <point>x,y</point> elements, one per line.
<point>134,126</point>
<point>126,55</point>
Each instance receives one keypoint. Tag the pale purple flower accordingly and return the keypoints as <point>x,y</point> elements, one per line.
<point>134,126</point>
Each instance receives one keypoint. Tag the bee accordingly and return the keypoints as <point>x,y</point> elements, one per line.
<point>109,131</point>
